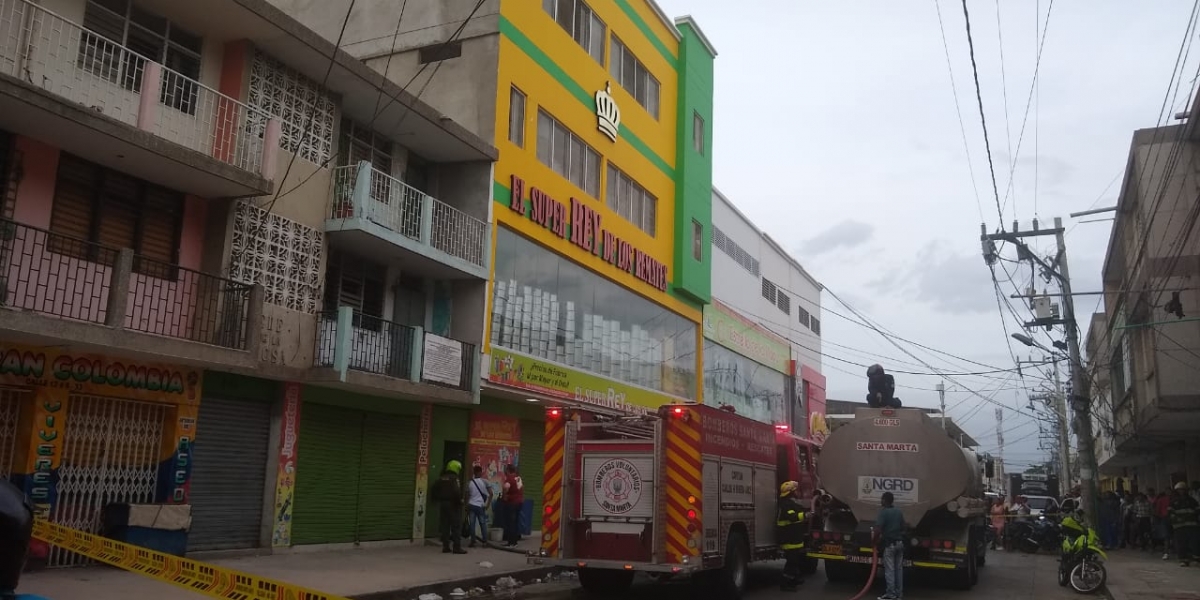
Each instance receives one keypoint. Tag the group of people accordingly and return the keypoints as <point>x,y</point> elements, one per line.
<point>1155,522</point>
<point>448,492</point>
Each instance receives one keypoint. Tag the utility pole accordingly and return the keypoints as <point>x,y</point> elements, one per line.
<point>941,388</point>
<point>1064,428</point>
<point>1080,388</point>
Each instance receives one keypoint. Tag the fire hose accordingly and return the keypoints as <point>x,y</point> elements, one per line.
<point>874,566</point>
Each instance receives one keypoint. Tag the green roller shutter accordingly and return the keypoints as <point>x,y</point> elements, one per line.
<point>533,436</point>
<point>388,482</point>
<point>327,469</point>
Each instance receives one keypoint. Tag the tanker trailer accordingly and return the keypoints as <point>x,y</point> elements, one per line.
<point>936,485</point>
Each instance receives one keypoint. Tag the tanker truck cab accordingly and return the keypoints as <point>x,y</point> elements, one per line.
<point>935,484</point>
<point>687,490</point>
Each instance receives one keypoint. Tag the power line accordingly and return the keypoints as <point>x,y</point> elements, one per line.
<point>957,110</point>
<point>1028,102</point>
<point>983,120</point>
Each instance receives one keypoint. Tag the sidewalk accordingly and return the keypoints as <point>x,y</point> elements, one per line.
<point>399,573</point>
<point>1135,575</point>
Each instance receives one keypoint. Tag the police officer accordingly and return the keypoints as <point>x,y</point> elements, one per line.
<point>16,528</point>
<point>790,531</point>
<point>447,491</point>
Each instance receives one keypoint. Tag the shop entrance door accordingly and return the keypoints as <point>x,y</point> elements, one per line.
<point>10,408</point>
<point>110,454</point>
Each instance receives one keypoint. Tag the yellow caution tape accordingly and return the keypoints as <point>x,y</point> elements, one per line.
<point>203,578</point>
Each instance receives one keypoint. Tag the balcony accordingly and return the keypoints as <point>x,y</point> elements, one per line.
<point>370,353</point>
<point>74,89</point>
<point>57,287</point>
<point>375,214</point>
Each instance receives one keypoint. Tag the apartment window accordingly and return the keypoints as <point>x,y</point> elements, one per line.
<point>355,281</point>
<point>803,316</point>
<point>815,325</point>
<point>439,52</point>
<point>568,154</point>
<point>698,132</point>
<point>634,77</point>
<point>630,200</point>
<point>112,209</point>
<point>769,290</point>
<point>581,23</point>
<point>516,117</point>
<point>356,144</point>
<point>300,103</point>
<point>111,24</point>
<point>784,302</point>
<point>697,240</point>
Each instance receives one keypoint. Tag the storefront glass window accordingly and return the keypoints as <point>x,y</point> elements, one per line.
<point>548,307</point>
<point>752,389</point>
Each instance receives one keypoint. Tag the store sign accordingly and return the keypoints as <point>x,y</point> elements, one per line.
<point>725,327</point>
<point>586,232</point>
<point>517,370</point>
<point>494,442</point>
<point>608,114</point>
<point>285,476</point>
<point>94,374</point>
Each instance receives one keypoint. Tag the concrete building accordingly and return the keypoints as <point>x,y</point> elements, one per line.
<point>602,113</point>
<point>1143,358</point>
<point>754,276</point>
<point>238,269</point>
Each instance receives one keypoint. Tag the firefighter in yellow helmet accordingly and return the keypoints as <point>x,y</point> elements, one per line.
<point>789,533</point>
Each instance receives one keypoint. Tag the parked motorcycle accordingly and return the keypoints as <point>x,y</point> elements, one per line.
<point>1032,536</point>
<point>1081,560</point>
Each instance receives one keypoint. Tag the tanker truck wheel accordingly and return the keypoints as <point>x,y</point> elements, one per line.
<point>837,571</point>
<point>605,581</point>
<point>965,578</point>
<point>808,566</point>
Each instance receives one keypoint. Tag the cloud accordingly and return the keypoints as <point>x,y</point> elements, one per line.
<point>847,233</point>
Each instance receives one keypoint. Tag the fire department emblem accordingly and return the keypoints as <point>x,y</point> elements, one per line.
<point>617,486</point>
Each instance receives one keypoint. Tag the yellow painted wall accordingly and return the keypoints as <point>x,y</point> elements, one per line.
<point>543,90</point>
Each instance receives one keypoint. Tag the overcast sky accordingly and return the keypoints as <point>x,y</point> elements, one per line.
<point>836,132</point>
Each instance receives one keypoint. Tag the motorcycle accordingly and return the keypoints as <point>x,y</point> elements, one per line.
<point>1032,536</point>
<point>1081,560</point>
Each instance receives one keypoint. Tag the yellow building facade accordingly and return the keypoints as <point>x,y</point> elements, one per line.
<point>602,204</point>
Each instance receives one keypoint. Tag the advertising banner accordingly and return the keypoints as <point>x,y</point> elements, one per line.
<point>724,326</point>
<point>285,478</point>
<point>517,370</point>
<point>495,441</point>
<point>78,373</point>
<point>424,434</point>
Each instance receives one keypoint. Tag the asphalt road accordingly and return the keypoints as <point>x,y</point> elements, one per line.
<point>1007,576</point>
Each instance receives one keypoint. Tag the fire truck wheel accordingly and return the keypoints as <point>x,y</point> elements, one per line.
<point>731,579</point>
<point>605,581</point>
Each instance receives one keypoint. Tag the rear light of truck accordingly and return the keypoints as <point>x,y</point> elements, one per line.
<point>678,411</point>
<point>554,413</point>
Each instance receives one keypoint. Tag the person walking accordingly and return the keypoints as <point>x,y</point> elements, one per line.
<point>513,499</point>
<point>1142,510</point>
<point>1162,523</point>
<point>1184,524</point>
<point>998,511</point>
<point>890,527</point>
<point>479,498</point>
<point>1110,518</point>
<point>447,491</point>
<point>789,534</point>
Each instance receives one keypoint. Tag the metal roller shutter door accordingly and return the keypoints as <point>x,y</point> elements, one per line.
<point>388,474</point>
<point>327,475</point>
<point>533,440</point>
<point>233,438</point>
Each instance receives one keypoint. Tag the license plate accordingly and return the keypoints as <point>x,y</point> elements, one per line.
<point>831,549</point>
<point>867,560</point>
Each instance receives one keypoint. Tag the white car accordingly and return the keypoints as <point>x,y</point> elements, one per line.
<point>1039,504</point>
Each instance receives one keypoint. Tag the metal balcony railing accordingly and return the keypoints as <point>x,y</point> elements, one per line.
<point>52,274</point>
<point>348,340</point>
<point>48,51</point>
<point>361,191</point>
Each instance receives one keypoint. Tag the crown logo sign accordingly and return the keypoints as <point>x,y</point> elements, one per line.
<point>608,114</point>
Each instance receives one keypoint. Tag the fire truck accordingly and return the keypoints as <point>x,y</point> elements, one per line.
<point>689,490</point>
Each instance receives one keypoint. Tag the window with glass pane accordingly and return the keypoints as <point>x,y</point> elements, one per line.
<point>698,132</point>
<point>568,155</point>
<point>551,308</point>
<point>697,240</point>
<point>581,23</point>
<point>633,75</point>
<point>111,24</point>
<point>516,117</point>
<point>753,390</point>
<point>631,201</point>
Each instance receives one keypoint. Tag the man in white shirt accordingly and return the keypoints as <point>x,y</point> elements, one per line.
<point>479,497</point>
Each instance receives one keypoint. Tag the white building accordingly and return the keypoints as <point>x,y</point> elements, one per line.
<point>755,276</point>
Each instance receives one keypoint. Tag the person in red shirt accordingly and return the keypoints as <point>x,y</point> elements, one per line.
<point>512,498</point>
<point>1162,526</point>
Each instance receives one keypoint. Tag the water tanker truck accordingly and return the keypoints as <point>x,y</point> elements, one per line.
<point>936,485</point>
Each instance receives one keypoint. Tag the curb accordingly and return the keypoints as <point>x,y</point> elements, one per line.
<point>1114,592</point>
<point>443,588</point>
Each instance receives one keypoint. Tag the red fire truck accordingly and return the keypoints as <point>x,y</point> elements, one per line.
<point>690,490</point>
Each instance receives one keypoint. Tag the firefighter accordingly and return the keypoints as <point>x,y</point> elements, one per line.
<point>789,532</point>
<point>16,529</point>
